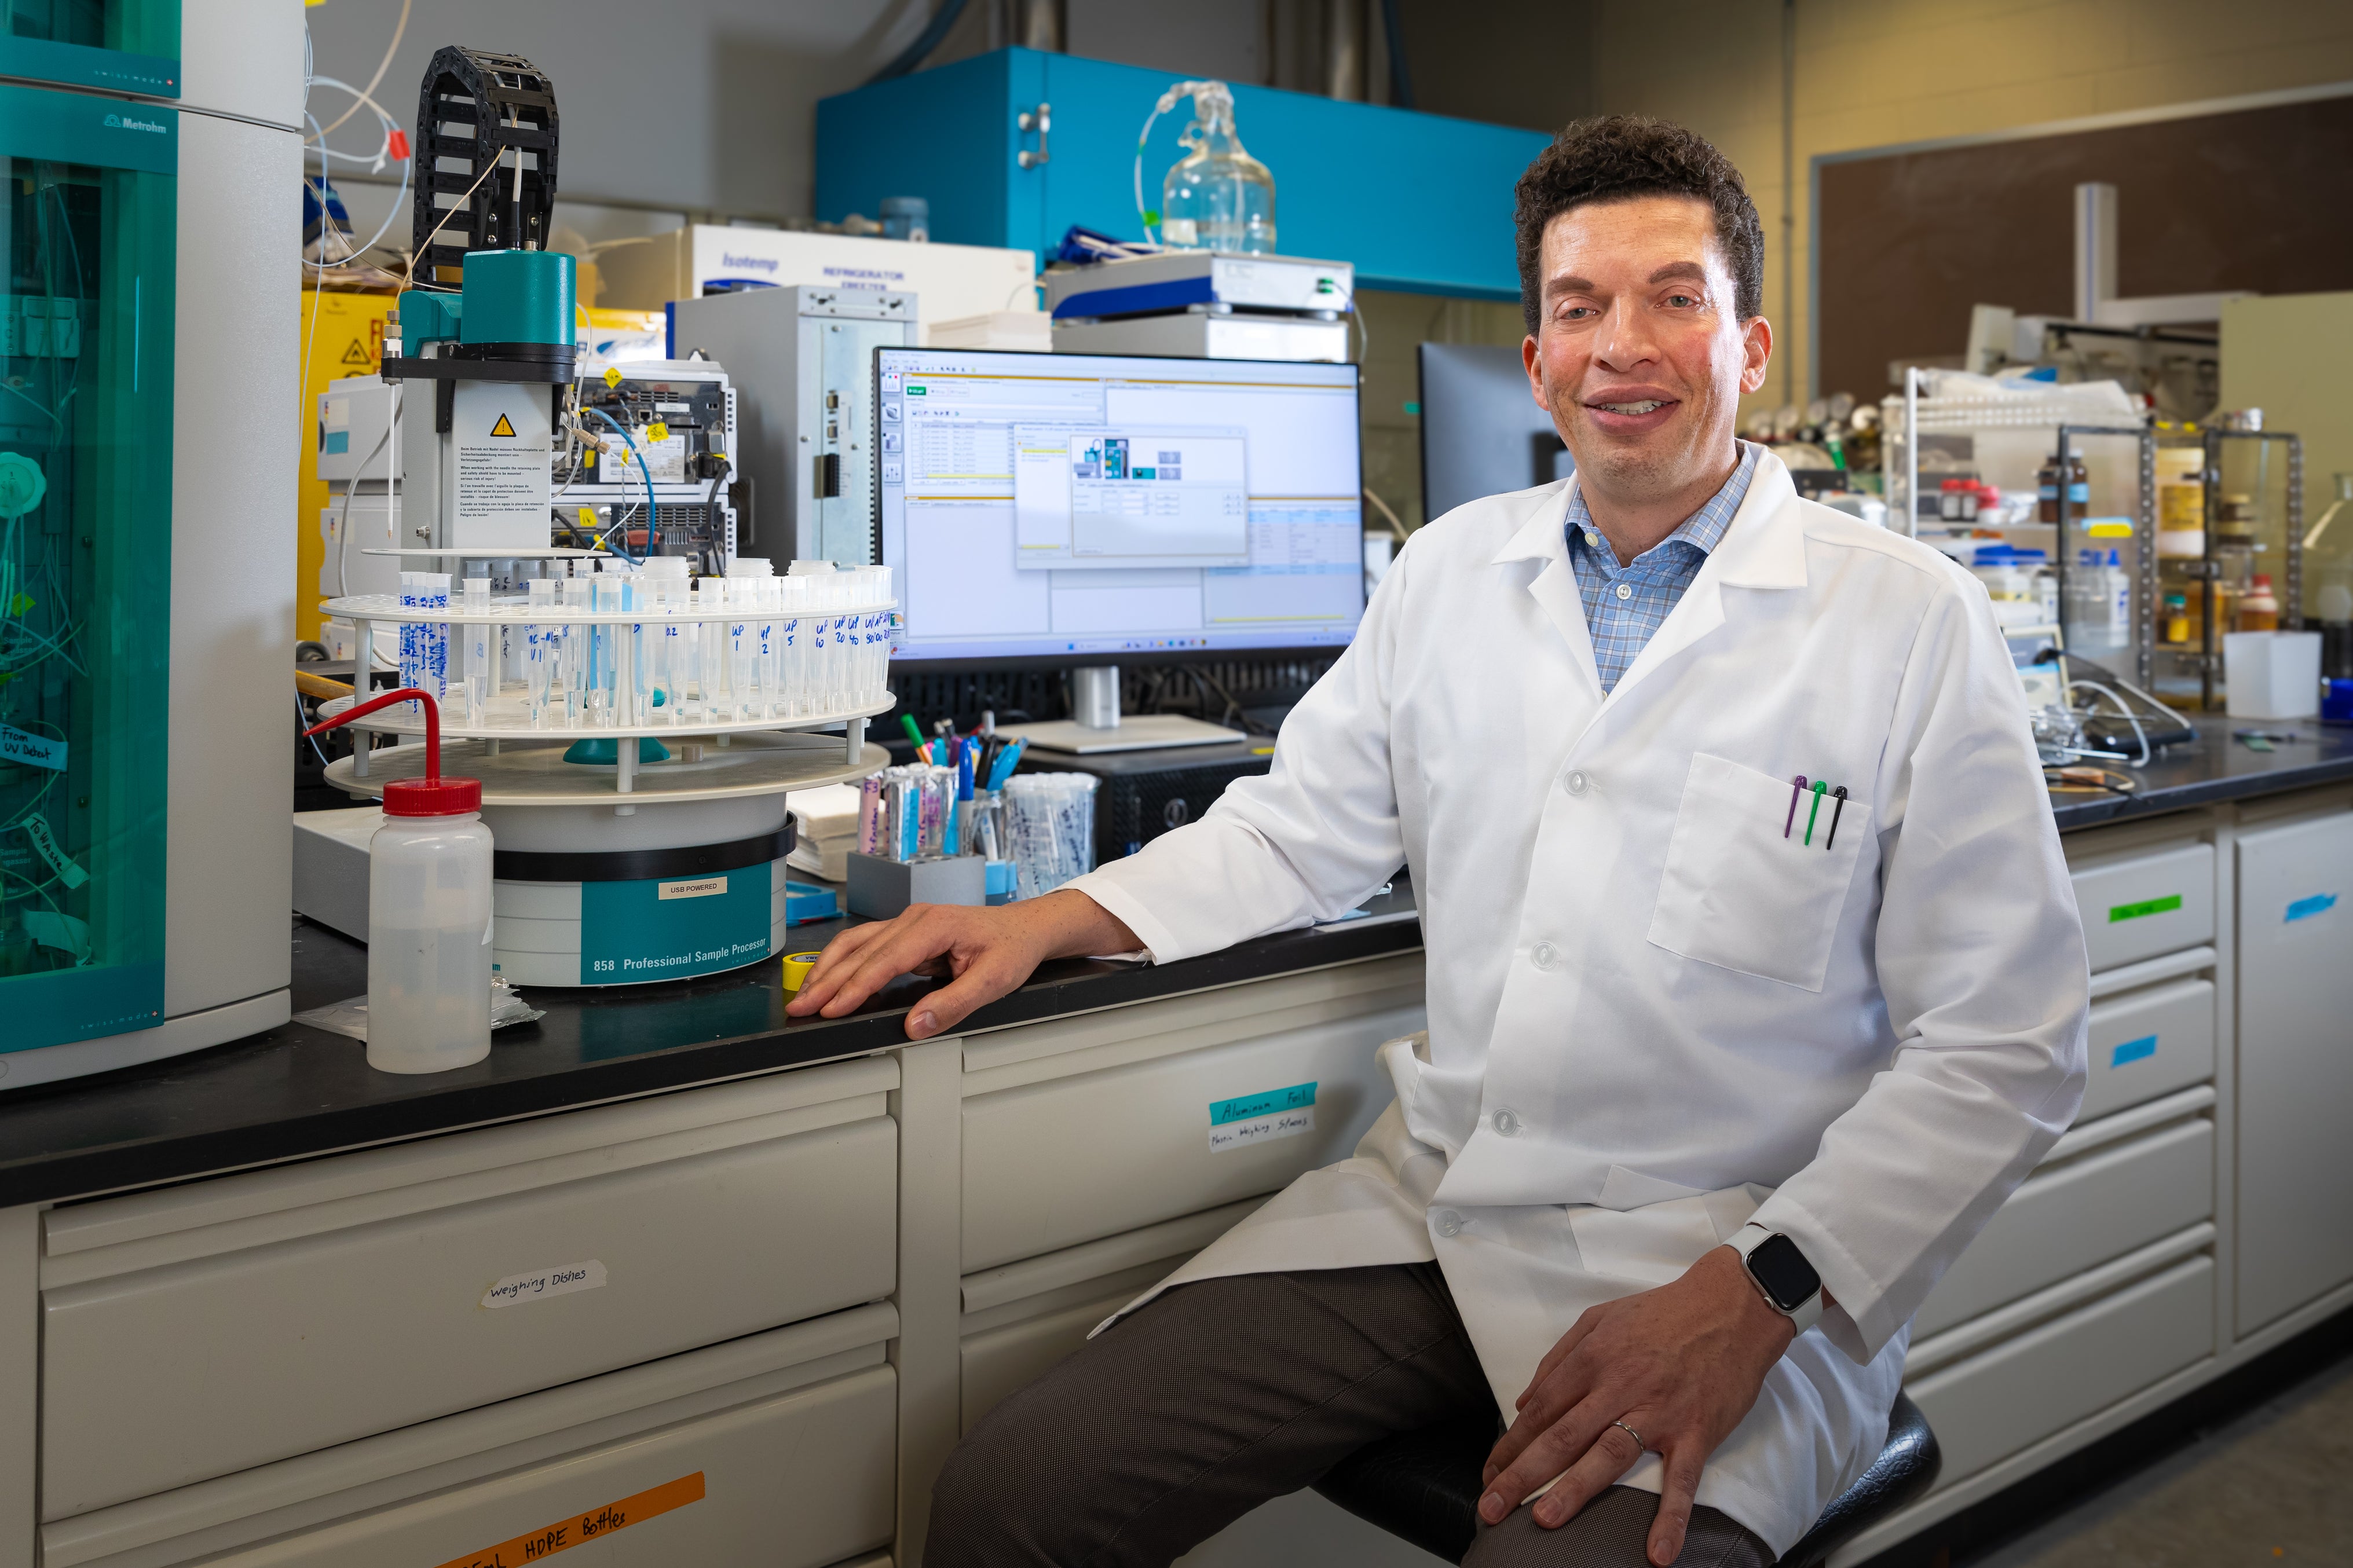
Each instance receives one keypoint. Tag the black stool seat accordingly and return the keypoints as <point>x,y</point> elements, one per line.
<point>1424,1486</point>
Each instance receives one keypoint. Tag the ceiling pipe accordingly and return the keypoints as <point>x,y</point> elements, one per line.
<point>1344,50</point>
<point>1042,24</point>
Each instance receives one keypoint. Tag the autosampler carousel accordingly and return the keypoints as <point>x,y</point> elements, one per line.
<point>637,737</point>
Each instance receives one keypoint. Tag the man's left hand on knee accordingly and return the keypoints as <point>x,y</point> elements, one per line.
<point>1671,1370</point>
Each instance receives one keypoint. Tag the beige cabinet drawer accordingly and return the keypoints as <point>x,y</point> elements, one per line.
<point>2140,906</point>
<point>796,1423</point>
<point>244,1350</point>
<point>2061,1222</point>
<point>797,1480</point>
<point>2029,1388</point>
<point>1072,1159</point>
<point>2147,1043</point>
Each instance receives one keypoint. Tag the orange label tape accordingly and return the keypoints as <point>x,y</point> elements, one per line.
<point>595,1524</point>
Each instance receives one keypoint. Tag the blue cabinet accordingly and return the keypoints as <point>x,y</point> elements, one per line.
<point>1417,202</point>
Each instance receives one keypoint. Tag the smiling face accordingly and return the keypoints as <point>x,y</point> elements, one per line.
<point>1639,355</point>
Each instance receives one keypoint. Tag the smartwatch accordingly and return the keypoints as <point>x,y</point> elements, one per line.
<point>1781,1273</point>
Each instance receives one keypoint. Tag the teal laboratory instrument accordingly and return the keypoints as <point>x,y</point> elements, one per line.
<point>143,874</point>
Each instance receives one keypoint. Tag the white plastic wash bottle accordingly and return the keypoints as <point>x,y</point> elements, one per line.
<point>428,914</point>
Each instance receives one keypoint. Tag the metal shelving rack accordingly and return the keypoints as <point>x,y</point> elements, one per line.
<point>2217,563</point>
<point>1979,418</point>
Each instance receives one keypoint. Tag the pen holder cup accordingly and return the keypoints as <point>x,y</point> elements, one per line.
<point>880,889</point>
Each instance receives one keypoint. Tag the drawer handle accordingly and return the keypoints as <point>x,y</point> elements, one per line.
<point>2133,1051</point>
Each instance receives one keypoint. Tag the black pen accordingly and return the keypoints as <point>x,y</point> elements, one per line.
<point>1838,794</point>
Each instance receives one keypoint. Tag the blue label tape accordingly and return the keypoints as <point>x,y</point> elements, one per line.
<point>2318,904</point>
<point>1250,1107</point>
<point>2133,1051</point>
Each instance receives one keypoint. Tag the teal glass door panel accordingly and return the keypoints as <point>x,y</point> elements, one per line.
<point>114,46</point>
<point>1417,202</point>
<point>88,229</point>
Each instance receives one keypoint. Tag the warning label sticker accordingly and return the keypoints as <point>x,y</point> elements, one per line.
<point>500,435</point>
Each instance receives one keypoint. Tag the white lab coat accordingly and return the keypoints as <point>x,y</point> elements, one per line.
<point>1653,1015</point>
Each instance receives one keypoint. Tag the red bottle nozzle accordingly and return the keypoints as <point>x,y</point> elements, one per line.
<point>431,796</point>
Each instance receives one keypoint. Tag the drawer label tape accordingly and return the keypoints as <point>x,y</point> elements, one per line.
<point>592,1525</point>
<point>2304,909</point>
<point>1255,1118</point>
<point>2164,905</point>
<point>2133,1051</point>
<point>564,1279</point>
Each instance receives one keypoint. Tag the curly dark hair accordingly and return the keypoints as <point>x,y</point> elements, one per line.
<point>1619,156</point>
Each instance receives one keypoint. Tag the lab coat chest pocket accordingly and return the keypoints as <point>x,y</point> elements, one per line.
<point>1740,893</point>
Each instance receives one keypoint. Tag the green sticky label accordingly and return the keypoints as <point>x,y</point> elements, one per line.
<point>664,928</point>
<point>2145,906</point>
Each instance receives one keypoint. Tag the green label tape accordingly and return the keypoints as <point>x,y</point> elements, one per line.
<point>2145,906</point>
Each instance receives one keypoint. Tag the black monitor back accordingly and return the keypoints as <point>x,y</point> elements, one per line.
<point>1482,434</point>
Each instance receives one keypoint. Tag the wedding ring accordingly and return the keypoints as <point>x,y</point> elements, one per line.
<point>1631,1432</point>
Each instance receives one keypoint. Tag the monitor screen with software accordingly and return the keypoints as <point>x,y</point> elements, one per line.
<point>1103,509</point>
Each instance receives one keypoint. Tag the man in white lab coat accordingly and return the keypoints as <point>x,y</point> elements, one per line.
<point>1755,980</point>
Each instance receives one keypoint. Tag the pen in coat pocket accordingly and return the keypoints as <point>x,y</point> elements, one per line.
<point>1818,789</point>
<point>1837,811</point>
<point>1797,788</point>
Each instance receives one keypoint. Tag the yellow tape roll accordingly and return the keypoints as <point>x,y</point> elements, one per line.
<point>796,968</point>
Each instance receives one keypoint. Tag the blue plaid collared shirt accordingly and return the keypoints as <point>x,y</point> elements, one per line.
<point>1625,604</point>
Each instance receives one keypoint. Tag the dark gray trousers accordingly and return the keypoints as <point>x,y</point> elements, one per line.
<point>1226,1392</point>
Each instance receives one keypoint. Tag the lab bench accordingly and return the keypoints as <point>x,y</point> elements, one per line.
<point>2200,1210</point>
<point>671,1272</point>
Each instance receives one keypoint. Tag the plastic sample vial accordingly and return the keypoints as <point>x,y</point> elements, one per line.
<point>792,681</point>
<point>433,593</point>
<point>480,673</point>
<point>537,649</point>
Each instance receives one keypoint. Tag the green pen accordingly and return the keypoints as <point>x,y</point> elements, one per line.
<point>1818,790</point>
<point>913,734</point>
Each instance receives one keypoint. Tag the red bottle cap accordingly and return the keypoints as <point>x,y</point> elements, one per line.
<point>432,797</point>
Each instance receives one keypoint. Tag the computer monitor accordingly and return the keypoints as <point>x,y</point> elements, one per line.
<point>1096,509</point>
<point>1482,434</point>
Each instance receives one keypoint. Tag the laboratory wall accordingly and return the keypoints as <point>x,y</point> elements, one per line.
<point>1872,73</point>
<point>2287,357</point>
